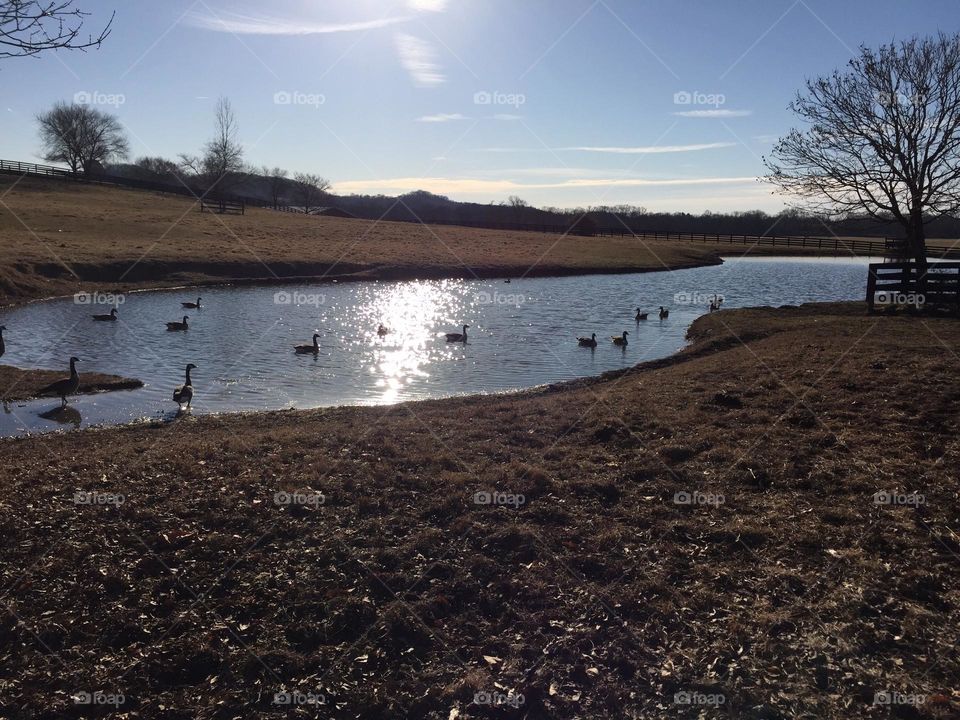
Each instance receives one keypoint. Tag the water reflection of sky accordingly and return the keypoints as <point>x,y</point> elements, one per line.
<point>522,334</point>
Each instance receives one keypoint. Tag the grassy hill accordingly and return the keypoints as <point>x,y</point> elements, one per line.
<point>57,238</point>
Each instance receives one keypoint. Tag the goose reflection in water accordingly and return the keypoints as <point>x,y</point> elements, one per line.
<point>65,415</point>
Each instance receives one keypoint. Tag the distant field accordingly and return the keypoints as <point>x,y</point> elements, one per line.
<point>56,238</point>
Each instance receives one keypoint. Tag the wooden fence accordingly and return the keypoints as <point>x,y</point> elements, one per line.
<point>221,207</point>
<point>901,283</point>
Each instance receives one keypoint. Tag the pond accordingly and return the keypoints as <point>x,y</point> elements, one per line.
<point>521,334</point>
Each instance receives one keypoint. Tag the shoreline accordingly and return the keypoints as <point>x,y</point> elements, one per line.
<point>370,274</point>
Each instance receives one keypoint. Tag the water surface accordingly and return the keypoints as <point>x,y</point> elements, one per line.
<point>521,334</point>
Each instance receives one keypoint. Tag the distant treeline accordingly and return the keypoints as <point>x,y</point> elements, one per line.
<point>421,206</point>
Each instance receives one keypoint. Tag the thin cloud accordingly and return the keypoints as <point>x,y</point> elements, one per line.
<point>507,117</point>
<point>444,185</point>
<point>427,5</point>
<point>418,58</point>
<point>253,25</point>
<point>643,150</point>
<point>653,149</point>
<point>442,118</point>
<point>714,113</point>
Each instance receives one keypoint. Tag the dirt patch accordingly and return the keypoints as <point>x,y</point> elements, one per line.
<point>24,384</point>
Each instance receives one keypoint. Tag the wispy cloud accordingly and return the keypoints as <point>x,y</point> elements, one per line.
<point>714,113</point>
<point>442,118</point>
<point>653,149</point>
<point>427,5</point>
<point>261,25</point>
<point>419,58</point>
<point>507,116</point>
<point>642,150</point>
<point>446,185</point>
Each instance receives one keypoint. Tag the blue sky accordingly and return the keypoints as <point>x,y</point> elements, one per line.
<point>669,104</point>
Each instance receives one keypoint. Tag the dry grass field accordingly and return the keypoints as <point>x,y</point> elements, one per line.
<point>58,238</point>
<point>695,537</point>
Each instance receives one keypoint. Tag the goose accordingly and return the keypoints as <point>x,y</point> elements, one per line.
<point>66,386</point>
<point>305,349</point>
<point>184,393</point>
<point>111,316</point>
<point>191,306</point>
<point>3,348</point>
<point>458,337</point>
<point>622,340</point>
<point>641,315</point>
<point>178,325</point>
<point>590,342</point>
<point>663,313</point>
<point>382,330</point>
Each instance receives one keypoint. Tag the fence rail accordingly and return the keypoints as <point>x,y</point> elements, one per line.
<point>230,207</point>
<point>902,283</point>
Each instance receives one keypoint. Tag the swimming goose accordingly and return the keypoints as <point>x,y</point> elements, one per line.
<point>641,315</point>
<point>66,386</point>
<point>590,342</point>
<point>3,348</point>
<point>192,306</point>
<point>663,313</point>
<point>184,393</point>
<point>458,337</point>
<point>111,316</point>
<point>381,331</point>
<point>622,340</point>
<point>178,325</point>
<point>305,349</point>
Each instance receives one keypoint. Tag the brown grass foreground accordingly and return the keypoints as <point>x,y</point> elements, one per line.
<point>385,588</point>
<point>58,238</point>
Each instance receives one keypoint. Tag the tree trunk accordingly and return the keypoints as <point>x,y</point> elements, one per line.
<point>918,247</point>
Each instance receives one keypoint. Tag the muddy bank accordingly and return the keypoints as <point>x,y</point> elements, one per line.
<point>25,384</point>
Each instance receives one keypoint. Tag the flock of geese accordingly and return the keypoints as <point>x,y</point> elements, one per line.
<point>621,340</point>
<point>183,394</point>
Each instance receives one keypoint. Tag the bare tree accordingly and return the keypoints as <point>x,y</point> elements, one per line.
<point>81,136</point>
<point>883,138</point>
<point>29,27</point>
<point>277,183</point>
<point>159,166</point>
<point>310,190</point>
<point>221,166</point>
